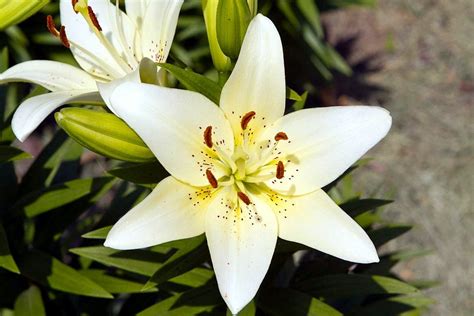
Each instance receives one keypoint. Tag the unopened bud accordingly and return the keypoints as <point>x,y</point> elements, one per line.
<point>103,133</point>
<point>233,18</point>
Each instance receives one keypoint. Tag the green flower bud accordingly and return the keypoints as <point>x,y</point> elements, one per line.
<point>233,18</point>
<point>253,6</point>
<point>220,60</point>
<point>13,12</point>
<point>103,133</point>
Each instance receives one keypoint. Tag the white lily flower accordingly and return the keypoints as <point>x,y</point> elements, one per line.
<point>243,173</point>
<point>109,46</point>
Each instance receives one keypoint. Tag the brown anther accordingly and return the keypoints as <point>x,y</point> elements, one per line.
<point>246,119</point>
<point>208,136</point>
<point>243,197</point>
<point>74,5</point>
<point>281,136</point>
<point>63,37</point>
<point>93,18</point>
<point>210,177</point>
<point>280,170</point>
<point>51,26</point>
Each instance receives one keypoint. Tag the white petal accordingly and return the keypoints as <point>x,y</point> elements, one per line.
<point>52,75</point>
<point>257,82</point>
<point>323,143</point>
<point>172,123</point>
<point>34,110</point>
<point>159,27</point>
<point>89,52</point>
<point>172,211</point>
<point>107,88</point>
<point>136,10</point>
<point>241,244</point>
<point>316,221</point>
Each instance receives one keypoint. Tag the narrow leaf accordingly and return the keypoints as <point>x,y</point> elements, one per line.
<point>59,195</point>
<point>30,303</point>
<point>51,272</point>
<point>113,284</point>
<point>139,261</point>
<point>347,285</point>
<point>193,254</point>
<point>395,305</point>
<point>195,82</point>
<point>383,235</point>
<point>100,233</point>
<point>6,259</point>
<point>192,302</point>
<point>356,207</point>
<point>284,301</point>
<point>147,173</point>
<point>8,153</point>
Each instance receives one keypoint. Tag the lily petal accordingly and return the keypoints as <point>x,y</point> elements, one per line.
<point>316,221</point>
<point>136,10</point>
<point>34,110</point>
<point>107,88</point>
<point>257,82</point>
<point>52,75</point>
<point>88,50</point>
<point>159,27</point>
<point>241,243</point>
<point>172,123</point>
<point>172,211</point>
<point>323,143</point>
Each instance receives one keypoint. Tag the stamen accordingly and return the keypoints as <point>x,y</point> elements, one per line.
<point>93,18</point>
<point>243,197</point>
<point>208,136</point>
<point>280,170</point>
<point>51,26</point>
<point>246,119</point>
<point>210,177</point>
<point>281,136</point>
<point>74,2</point>
<point>63,37</point>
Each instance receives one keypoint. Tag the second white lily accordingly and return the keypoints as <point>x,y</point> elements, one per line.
<point>243,173</point>
<point>107,43</point>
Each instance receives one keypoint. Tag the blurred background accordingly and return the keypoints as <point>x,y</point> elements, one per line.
<point>426,53</point>
<point>416,58</point>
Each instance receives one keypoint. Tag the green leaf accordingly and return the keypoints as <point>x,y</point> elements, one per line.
<point>194,253</point>
<point>397,305</point>
<point>286,301</point>
<point>61,151</point>
<point>139,261</point>
<point>194,278</point>
<point>8,153</point>
<point>30,303</point>
<point>59,195</point>
<point>51,272</point>
<point>195,82</point>
<point>113,284</point>
<point>249,310</point>
<point>385,234</point>
<point>347,285</point>
<point>147,173</point>
<point>100,233</point>
<point>191,302</point>
<point>310,11</point>
<point>6,259</point>
<point>356,207</point>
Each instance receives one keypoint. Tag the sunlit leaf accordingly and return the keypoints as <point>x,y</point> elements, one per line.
<point>113,284</point>
<point>6,259</point>
<point>30,303</point>
<point>8,153</point>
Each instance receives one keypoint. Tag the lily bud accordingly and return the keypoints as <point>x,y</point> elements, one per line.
<point>233,18</point>
<point>220,60</point>
<point>253,7</point>
<point>103,133</point>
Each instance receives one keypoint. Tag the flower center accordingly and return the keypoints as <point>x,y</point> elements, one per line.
<point>250,164</point>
